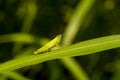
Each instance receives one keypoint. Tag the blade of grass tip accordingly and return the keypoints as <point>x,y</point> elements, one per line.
<point>16,37</point>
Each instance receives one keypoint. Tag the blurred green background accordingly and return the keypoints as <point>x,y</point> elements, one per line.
<point>26,25</point>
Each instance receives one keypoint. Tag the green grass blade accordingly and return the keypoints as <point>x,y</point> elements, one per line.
<point>79,49</point>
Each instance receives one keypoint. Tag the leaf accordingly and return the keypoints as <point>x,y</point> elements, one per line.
<point>79,49</point>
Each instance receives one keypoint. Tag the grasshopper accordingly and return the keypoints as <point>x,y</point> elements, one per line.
<point>49,45</point>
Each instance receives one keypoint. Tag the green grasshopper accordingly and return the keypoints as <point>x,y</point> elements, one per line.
<point>49,45</point>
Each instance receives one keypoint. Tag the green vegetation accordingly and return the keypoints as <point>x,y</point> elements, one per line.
<point>89,48</point>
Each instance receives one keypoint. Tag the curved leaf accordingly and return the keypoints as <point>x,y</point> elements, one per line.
<point>79,49</point>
